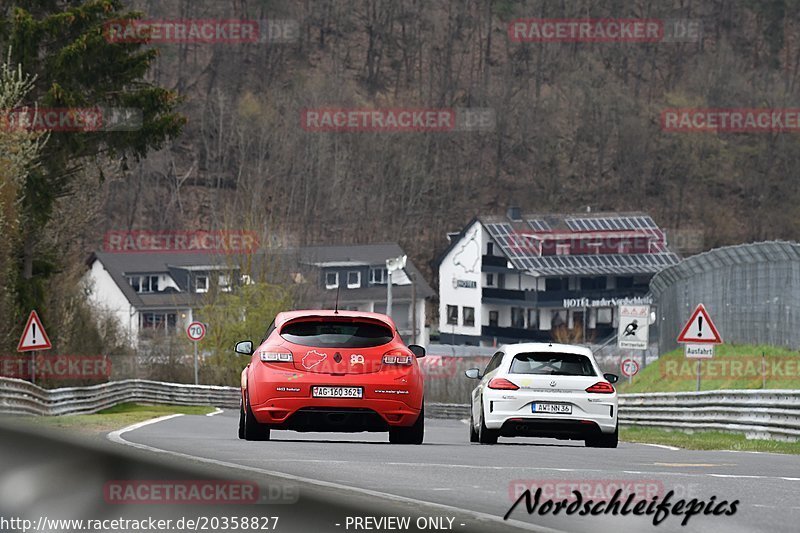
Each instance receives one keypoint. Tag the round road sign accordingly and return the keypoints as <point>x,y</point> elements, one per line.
<point>196,331</point>
<point>629,367</point>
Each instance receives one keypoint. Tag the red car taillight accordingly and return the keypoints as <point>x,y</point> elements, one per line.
<point>502,384</point>
<point>601,387</point>
<point>277,356</point>
<point>396,357</point>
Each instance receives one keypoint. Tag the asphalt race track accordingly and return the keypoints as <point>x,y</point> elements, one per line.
<point>450,471</point>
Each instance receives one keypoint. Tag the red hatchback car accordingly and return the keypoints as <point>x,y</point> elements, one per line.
<point>342,371</point>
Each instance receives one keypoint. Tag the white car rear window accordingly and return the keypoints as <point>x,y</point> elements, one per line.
<point>552,364</point>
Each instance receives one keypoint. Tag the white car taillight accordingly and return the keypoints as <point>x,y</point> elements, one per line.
<point>601,387</point>
<point>502,384</point>
<point>276,357</point>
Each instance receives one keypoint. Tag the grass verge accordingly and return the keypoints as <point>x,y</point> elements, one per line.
<point>733,367</point>
<point>706,440</point>
<point>116,417</point>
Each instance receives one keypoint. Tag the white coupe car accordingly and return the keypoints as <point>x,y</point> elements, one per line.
<point>544,390</point>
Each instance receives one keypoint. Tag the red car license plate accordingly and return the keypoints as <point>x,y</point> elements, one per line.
<point>337,392</point>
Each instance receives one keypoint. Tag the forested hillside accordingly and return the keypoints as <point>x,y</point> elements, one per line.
<point>577,124</point>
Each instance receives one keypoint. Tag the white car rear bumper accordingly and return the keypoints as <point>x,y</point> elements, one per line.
<point>513,412</point>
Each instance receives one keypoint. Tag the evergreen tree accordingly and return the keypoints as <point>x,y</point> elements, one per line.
<point>63,43</point>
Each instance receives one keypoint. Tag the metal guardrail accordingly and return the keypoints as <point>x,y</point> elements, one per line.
<point>772,414</point>
<point>21,397</point>
<point>447,410</point>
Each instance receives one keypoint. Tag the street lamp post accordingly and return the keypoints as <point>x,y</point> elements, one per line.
<point>392,265</point>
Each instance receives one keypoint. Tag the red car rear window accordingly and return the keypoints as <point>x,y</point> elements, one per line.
<point>337,334</point>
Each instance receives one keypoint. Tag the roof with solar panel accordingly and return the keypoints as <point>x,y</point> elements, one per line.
<point>583,244</point>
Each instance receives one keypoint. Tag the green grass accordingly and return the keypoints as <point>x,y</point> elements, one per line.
<point>706,440</point>
<point>116,417</point>
<point>733,367</point>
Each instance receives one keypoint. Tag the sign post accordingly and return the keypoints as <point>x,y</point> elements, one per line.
<point>699,336</point>
<point>196,331</point>
<point>34,338</point>
<point>633,333</point>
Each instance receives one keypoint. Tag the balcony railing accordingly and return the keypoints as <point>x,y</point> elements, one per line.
<point>494,261</point>
<point>556,298</point>
<point>536,335</point>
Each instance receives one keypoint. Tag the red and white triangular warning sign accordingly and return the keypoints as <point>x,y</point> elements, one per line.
<point>34,336</point>
<point>700,329</point>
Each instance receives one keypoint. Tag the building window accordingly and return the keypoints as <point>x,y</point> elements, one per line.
<point>490,280</point>
<point>533,319</point>
<point>452,315</point>
<point>625,282</point>
<point>143,284</point>
<point>589,284</point>
<point>201,284</point>
<point>377,276</point>
<point>353,280</point>
<point>158,320</point>
<point>489,248</point>
<point>493,318</point>
<point>604,315</point>
<point>331,280</point>
<point>556,284</point>
<point>559,319</point>
<point>469,316</point>
<point>501,281</point>
<point>517,317</point>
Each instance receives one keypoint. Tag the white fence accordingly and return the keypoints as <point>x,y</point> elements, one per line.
<point>773,414</point>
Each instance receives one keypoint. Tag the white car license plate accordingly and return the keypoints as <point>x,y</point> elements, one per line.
<point>556,408</point>
<point>336,392</point>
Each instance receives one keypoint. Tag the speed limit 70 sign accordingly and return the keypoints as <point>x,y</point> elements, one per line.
<point>629,367</point>
<point>196,331</point>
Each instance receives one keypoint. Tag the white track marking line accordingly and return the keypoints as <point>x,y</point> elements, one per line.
<point>664,446</point>
<point>116,436</point>
<point>755,477</point>
<point>216,412</point>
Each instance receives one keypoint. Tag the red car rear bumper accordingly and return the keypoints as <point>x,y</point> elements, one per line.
<point>280,411</point>
<point>285,399</point>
